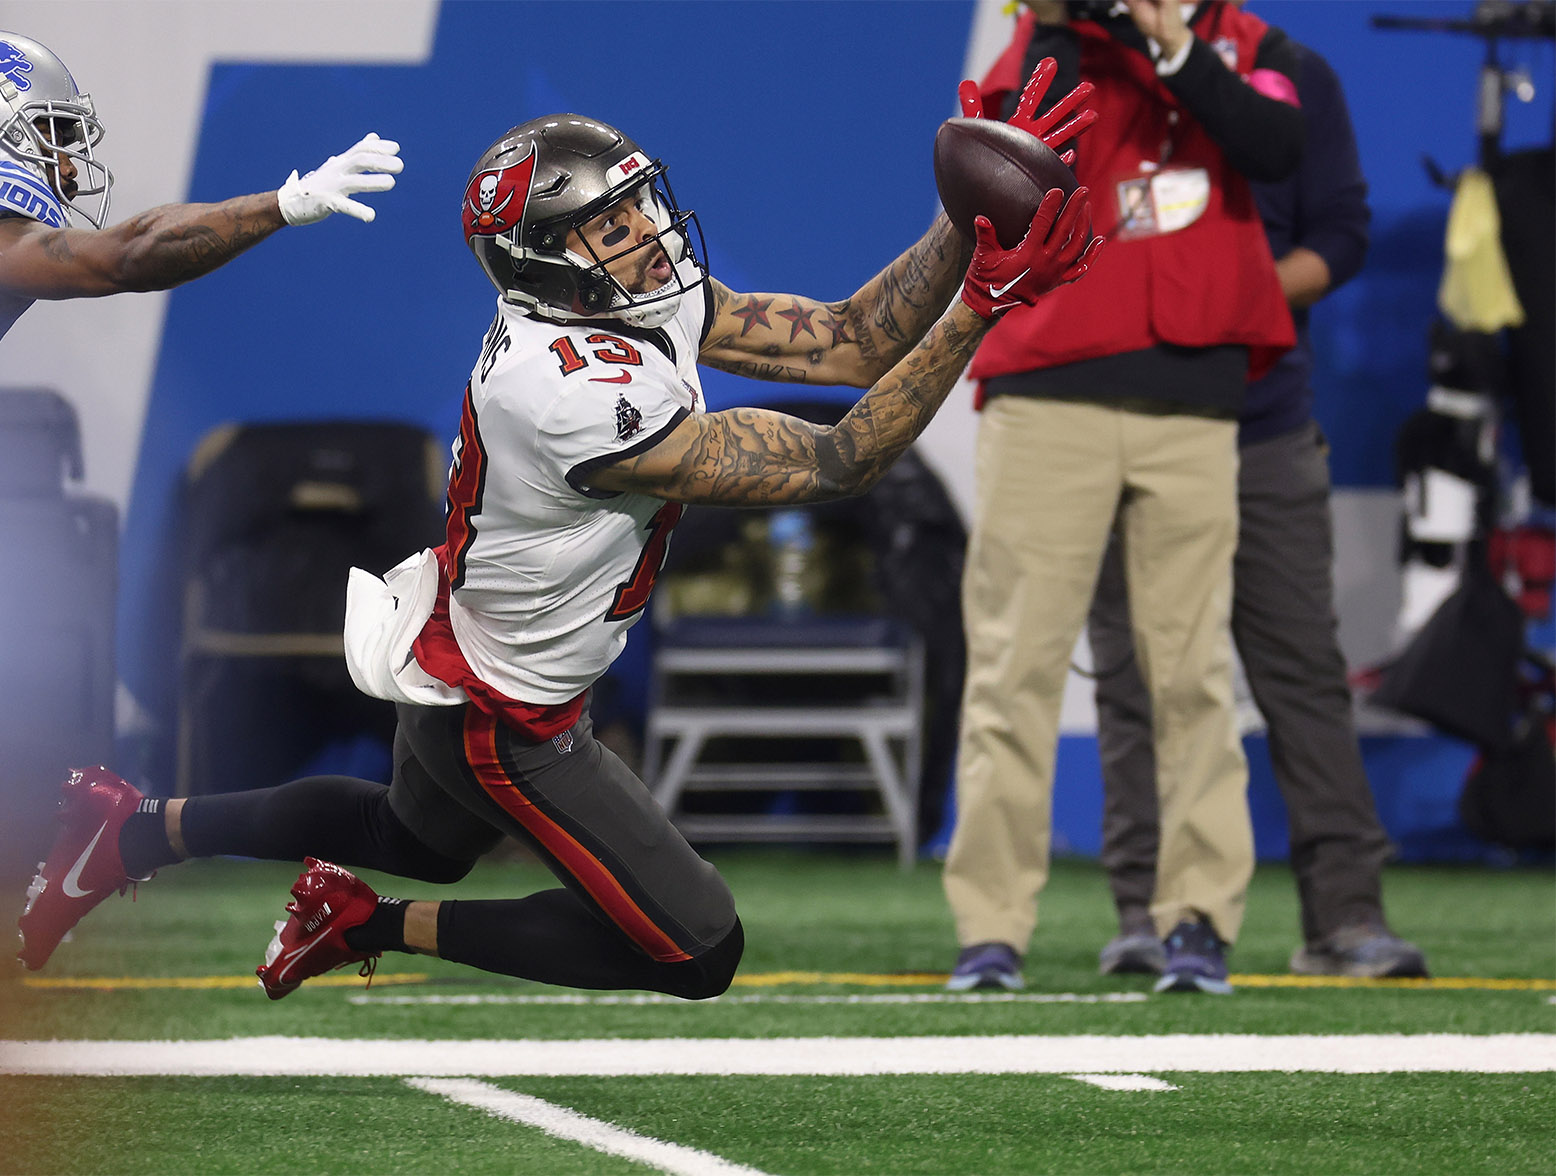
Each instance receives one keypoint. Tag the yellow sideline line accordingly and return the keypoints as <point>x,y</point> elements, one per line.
<point>868,979</point>
<point>775,979</point>
<point>1436,982</point>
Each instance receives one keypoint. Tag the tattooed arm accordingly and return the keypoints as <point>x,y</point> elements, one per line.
<point>856,341</point>
<point>167,246</point>
<point>756,457</point>
<point>156,250</point>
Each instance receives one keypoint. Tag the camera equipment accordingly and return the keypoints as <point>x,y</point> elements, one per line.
<point>1493,21</point>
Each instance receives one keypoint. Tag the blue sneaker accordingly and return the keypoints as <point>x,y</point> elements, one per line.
<point>987,965</point>
<point>1132,951</point>
<point>1196,960</point>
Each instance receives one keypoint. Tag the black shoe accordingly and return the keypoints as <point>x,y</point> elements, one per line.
<point>987,965</point>
<point>1196,960</point>
<point>1365,950</point>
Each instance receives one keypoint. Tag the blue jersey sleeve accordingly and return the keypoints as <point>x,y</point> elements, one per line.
<point>23,194</point>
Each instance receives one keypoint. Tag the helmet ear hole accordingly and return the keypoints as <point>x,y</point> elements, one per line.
<point>595,296</point>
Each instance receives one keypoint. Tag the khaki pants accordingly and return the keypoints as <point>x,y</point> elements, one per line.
<point>1283,623</point>
<point>1052,476</point>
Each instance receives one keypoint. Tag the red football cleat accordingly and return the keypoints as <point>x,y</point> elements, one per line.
<point>330,900</point>
<point>83,867</point>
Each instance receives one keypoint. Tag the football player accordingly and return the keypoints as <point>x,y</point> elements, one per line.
<point>49,131</point>
<point>583,437</point>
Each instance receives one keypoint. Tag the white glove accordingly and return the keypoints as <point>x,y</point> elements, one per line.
<point>370,166</point>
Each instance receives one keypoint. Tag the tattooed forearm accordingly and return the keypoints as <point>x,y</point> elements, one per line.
<point>899,304</point>
<point>748,456</point>
<point>757,457</point>
<point>170,245</point>
<point>890,417</point>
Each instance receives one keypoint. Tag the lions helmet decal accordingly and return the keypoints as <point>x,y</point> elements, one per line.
<point>15,66</point>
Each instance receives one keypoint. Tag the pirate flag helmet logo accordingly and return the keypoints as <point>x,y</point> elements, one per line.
<point>495,200</point>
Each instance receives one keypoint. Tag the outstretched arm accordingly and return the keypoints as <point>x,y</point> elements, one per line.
<point>174,243</point>
<point>856,341</point>
<point>756,457</point>
<point>155,250</point>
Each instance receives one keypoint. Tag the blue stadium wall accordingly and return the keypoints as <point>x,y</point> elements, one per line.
<point>800,133</point>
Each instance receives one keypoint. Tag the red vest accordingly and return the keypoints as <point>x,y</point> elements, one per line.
<point>1212,283</point>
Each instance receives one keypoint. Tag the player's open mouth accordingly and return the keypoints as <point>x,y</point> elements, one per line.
<point>660,270</point>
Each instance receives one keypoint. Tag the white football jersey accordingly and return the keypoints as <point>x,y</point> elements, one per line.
<point>23,194</point>
<point>548,574</point>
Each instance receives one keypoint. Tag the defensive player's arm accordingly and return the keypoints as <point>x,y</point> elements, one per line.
<point>856,341</point>
<point>174,243</point>
<point>156,250</point>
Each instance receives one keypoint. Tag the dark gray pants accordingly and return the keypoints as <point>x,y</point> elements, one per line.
<point>462,779</point>
<point>1284,625</point>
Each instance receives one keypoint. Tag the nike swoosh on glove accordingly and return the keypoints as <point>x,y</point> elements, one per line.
<point>369,166</point>
<point>1053,252</point>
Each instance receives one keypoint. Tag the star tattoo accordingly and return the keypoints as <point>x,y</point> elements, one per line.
<point>839,331</point>
<point>753,313</point>
<point>799,320</point>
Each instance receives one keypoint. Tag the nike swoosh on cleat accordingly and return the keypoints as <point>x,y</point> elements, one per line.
<point>292,957</point>
<point>998,292</point>
<point>69,884</point>
<point>624,378</point>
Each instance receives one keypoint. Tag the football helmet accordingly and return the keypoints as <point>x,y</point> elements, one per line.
<point>550,175</point>
<point>43,116</point>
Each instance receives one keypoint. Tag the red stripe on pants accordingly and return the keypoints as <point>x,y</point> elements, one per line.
<point>481,751</point>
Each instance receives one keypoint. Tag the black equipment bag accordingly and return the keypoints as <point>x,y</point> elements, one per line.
<point>1509,797</point>
<point>58,593</point>
<point>1460,672</point>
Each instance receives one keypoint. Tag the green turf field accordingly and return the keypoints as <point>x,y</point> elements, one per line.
<point>838,1034</point>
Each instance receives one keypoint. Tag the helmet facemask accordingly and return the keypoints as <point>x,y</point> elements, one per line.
<point>654,307</point>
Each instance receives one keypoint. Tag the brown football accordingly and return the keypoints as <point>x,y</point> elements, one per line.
<point>986,166</point>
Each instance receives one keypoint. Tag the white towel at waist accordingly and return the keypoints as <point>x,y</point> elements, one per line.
<point>383,619</point>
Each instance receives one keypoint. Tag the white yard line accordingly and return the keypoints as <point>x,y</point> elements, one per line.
<point>564,1123</point>
<point>1129,1082</point>
<point>1507,1053</point>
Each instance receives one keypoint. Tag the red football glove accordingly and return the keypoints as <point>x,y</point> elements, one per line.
<point>1050,126</point>
<point>1053,252</point>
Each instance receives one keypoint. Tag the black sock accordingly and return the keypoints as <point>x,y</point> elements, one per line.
<point>384,929</point>
<point>143,843</point>
<point>336,818</point>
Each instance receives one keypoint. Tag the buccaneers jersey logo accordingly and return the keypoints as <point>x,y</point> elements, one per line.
<point>495,200</point>
<point>629,421</point>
